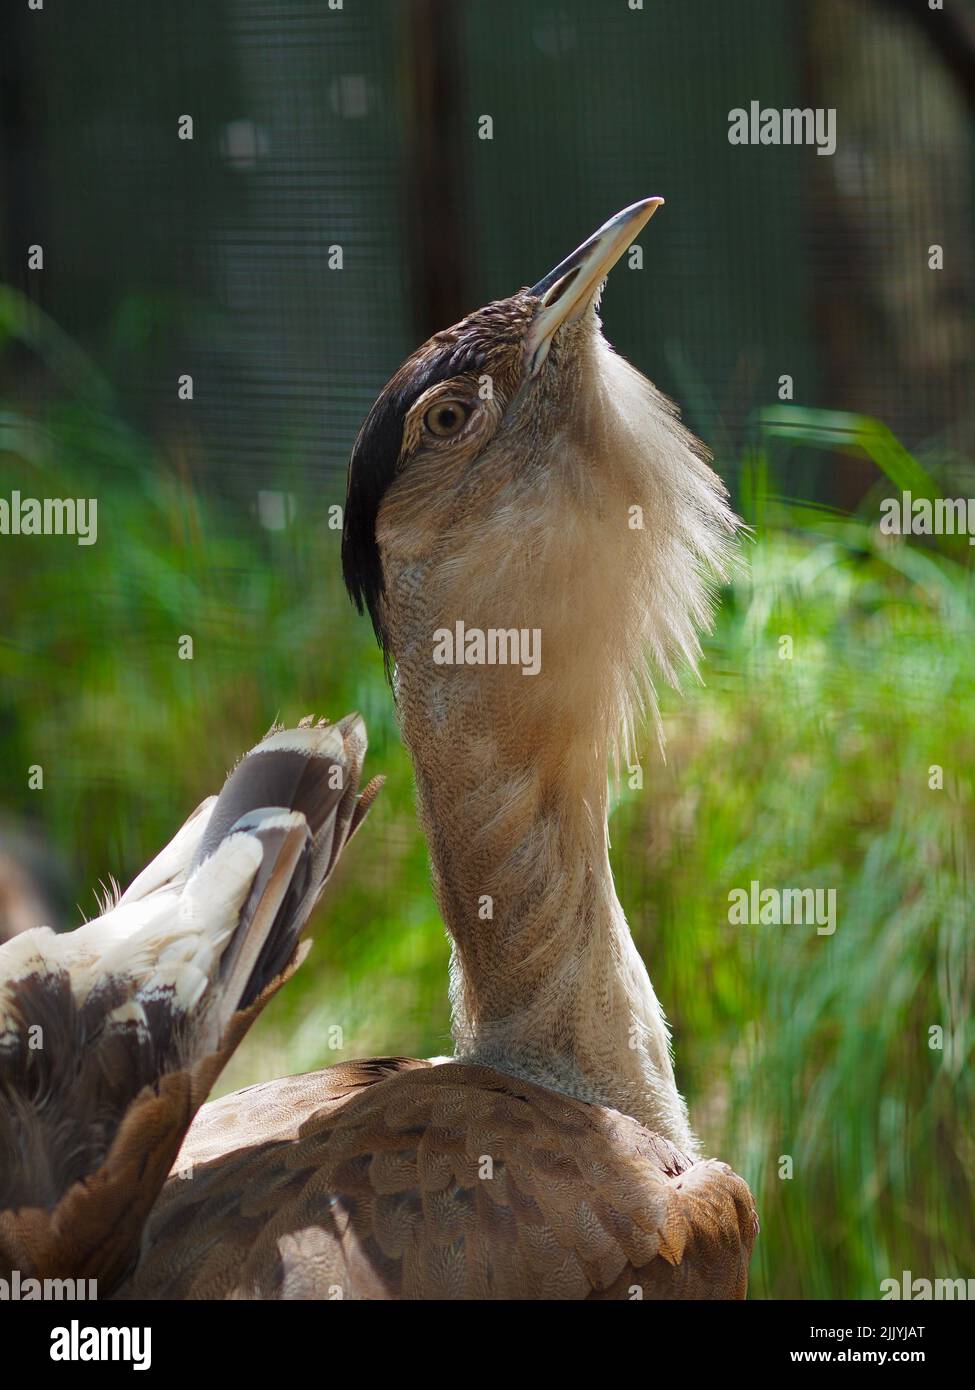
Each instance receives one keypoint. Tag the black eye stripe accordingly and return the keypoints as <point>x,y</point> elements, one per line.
<point>492,332</point>
<point>373,467</point>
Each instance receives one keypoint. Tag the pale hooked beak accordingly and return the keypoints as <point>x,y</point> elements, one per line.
<point>567,290</point>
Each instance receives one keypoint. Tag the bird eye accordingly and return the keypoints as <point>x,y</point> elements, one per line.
<point>446,418</point>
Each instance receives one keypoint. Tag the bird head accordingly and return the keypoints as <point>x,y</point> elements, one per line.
<point>516,473</point>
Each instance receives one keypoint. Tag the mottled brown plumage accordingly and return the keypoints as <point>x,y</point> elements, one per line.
<point>397,1179</point>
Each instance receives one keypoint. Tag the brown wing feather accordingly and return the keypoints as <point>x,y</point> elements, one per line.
<point>396,1179</point>
<point>139,1014</point>
<point>93,1231</point>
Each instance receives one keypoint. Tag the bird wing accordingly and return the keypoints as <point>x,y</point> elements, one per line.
<point>111,1036</point>
<point>397,1179</point>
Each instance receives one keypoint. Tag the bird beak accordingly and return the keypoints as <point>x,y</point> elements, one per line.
<point>568,289</point>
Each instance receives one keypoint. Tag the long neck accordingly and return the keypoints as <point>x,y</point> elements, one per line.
<point>545,980</point>
<point>602,543</point>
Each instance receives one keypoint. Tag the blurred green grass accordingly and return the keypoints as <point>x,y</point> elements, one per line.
<point>809,771</point>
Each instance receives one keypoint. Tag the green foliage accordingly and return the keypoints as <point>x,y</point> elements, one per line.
<point>814,771</point>
<point>809,771</point>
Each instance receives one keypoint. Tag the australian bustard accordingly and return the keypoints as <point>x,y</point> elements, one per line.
<point>515,479</point>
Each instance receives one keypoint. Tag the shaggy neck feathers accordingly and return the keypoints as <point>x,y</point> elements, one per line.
<point>606,547</point>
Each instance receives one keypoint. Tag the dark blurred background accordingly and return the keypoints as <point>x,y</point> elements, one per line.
<point>358,127</point>
<point>319,131</point>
